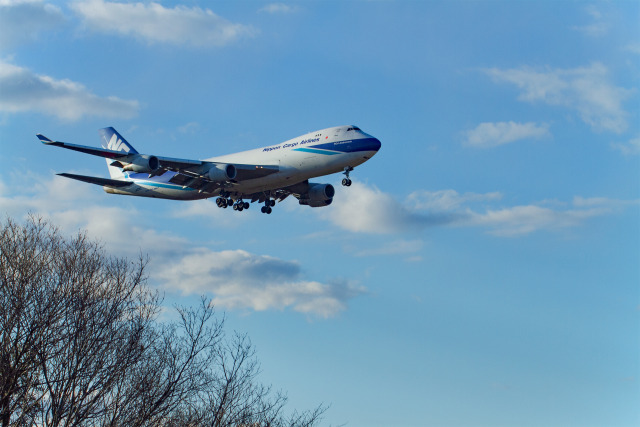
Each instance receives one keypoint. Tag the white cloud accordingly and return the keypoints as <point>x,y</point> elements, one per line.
<point>515,220</point>
<point>633,47</point>
<point>603,203</point>
<point>393,248</point>
<point>487,135</point>
<point>447,200</point>
<point>190,128</point>
<point>525,219</point>
<point>74,206</point>
<point>373,211</point>
<point>593,11</point>
<point>25,91</point>
<point>277,8</point>
<point>631,148</point>
<point>521,220</point>
<point>369,210</point>
<point>584,89</point>
<point>597,28</point>
<point>22,21</point>
<point>155,23</point>
<point>240,280</point>
<point>237,279</point>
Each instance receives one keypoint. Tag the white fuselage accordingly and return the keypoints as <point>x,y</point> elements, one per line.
<point>311,155</point>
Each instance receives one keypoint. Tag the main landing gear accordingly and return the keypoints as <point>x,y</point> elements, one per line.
<point>347,181</point>
<point>239,205</point>
<point>267,206</point>
<point>223,202</point>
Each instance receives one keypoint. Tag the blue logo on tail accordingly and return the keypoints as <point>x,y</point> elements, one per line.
<point>112,140</point>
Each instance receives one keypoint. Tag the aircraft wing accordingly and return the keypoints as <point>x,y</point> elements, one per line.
<point>196,179</point>
<point>102,152</point>
<point>189,173</point>
<point>166,162</point>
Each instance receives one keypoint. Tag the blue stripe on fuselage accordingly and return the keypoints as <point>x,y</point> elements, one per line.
<point>149,183</point>
<point>348,146</point>
<point>315,151</point>
<point>161,181</point>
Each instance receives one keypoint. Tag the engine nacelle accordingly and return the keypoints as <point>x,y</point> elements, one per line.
<point>142,163</point>
<point>318,195</point>
<point>222,172</point>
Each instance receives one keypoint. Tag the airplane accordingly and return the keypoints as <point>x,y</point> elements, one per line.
<point>263,175</point>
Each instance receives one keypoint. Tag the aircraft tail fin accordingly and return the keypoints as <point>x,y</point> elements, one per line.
<point>112,140</point>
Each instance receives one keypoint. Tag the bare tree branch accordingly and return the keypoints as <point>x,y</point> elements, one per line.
<point>80,344</point>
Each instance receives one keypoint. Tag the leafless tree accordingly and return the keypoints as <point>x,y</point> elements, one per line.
<point>81,344</point>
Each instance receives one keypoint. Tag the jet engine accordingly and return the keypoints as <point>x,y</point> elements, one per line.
<point>222,172</point>
<point>142,163</point>
<point>318,195</point>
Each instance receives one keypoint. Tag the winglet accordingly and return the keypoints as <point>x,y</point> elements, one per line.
<point>44,139</point>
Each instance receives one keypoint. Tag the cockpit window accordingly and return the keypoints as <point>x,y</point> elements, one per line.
<point>353,128</point>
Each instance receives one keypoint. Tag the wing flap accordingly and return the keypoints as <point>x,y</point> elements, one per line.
<point>200,168</point>
<point>180,179</point>
<point>247,172</point>
<point>178,164</point>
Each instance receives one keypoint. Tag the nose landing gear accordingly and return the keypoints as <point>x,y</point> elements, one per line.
<point>347,181</point>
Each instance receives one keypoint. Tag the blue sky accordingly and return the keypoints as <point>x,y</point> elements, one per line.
<point>483,269</point>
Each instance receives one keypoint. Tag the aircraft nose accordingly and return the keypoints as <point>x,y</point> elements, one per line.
<point>374,144</point>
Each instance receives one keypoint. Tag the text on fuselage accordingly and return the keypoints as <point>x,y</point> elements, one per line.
<point>291,145</point>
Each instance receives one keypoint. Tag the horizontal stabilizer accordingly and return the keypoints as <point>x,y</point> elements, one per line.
<point>96,180</point>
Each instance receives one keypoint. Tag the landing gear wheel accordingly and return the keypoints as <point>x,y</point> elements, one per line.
<point>267,206</point>
<point>246,205</point>
<point>347,181</point>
